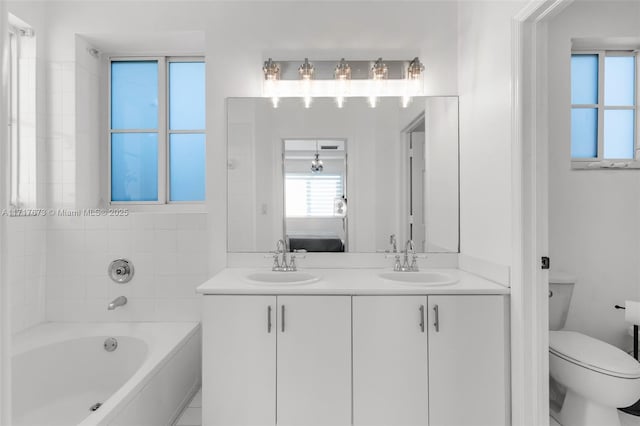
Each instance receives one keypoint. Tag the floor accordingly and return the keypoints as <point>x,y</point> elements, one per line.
<point>192,415</point>
<point>625,420</point>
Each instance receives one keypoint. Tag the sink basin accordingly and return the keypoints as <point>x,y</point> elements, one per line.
<point>281,278</point>
<point>426,278</point>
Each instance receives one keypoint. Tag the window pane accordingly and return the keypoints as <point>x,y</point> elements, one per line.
<point>134,95</point>
<point>187,165</point>
<point>619,80</point>
<point>134,167</point>
<point>584,79</point>
<point>584,133</point>
<point>312,195</point>
<point>618,134</point>
<point>186,96</point>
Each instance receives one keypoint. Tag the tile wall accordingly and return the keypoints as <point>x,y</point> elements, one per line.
<point>168,251</point>
<point>26,270</point>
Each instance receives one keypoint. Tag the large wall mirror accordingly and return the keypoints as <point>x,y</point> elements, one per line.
<point>331,179</point>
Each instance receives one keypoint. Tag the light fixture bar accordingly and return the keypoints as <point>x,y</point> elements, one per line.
<point>325,70</point>
<point>343,79</point>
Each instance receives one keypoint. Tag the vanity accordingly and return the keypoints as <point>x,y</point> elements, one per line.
<point>360,345</point>
<point>333,347</point>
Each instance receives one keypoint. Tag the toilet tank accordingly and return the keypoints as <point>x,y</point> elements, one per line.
<point>560,292</point>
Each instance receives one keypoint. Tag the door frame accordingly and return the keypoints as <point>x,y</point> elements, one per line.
<point>5,305</point>
<point>529,162</point>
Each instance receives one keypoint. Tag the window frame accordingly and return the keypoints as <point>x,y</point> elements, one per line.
<point>163,131</point>
<point>599,162</point>
<point>14,115</point>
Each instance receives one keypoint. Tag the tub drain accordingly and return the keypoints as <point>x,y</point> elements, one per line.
<point>110,344</point>
<point>95,406</point>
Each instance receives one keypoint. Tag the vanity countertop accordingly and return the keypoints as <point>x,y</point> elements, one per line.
<point>364,281</point>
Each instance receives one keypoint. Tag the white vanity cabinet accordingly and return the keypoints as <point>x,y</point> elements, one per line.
<point>356,359</point>
<point>239,360</point>
<point>314,361</point>
<point>430,360</point>
<point>276,359</point>
<point>468,360</point>
<point>390,361</point>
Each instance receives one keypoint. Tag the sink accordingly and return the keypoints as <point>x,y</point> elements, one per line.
<point>426,278</point>
<point>281,278</point>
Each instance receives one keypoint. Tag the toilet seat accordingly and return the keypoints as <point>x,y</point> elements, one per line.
<point>593,354</point>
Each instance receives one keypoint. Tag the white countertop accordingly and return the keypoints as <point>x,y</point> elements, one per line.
<point>364,281</point>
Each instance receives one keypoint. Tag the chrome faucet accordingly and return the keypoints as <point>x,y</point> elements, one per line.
<point>410,248</point>
<point>394,249</point>
<point>118,301</point>
<point>281,262</point>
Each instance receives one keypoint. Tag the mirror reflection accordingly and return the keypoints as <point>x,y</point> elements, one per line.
<point>329,179</point>
<point>315,175</point>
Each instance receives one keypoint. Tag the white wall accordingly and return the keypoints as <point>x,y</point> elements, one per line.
<point>594,231</point>
<point>168,251</point>
<point>484,72</point>
<point>234,53</point>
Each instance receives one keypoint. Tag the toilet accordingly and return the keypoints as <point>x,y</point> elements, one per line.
<point>598,377</point>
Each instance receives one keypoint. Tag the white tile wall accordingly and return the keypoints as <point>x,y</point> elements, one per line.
<point>169,253</point>
<point>61,134</point>
<point>26,270</point>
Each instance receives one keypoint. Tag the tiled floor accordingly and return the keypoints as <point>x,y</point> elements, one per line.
<point>192,415</point>
<point>625,420</point>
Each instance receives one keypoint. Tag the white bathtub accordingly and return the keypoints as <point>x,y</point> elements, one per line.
<point>60,370</point>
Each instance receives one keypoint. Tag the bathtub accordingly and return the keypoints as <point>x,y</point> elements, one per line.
<point>62,370</point>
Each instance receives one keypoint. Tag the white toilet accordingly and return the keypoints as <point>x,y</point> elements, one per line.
<point>598,377</point>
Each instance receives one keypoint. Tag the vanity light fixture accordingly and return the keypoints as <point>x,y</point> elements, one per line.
<point>414,80</point>
<point>306,75</point>
<point>379,73</point>
<point>316,163</point>
<point>342,76</point>
<point>348,78</point>
<point>271,72</point>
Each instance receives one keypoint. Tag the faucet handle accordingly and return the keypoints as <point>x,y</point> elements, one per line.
<point>276,262</point>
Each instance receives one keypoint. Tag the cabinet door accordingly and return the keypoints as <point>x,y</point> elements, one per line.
<point>314,360</point>
<point>239,359</point>
<point>468,361</point>
<point>390,361</point>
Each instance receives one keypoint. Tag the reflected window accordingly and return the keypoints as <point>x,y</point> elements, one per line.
<point>603,107</point>
<point>157,131</point>
<point>312,194</point>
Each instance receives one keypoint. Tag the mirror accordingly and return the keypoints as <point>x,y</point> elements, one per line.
<point>384,170</point>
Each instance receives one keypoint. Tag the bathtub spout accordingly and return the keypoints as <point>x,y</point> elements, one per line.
<point>118,301</point>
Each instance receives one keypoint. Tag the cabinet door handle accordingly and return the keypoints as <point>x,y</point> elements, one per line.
<point>269,319</point>
<point>436,324</point>
<point>422,318</point>
<point>283,318</point>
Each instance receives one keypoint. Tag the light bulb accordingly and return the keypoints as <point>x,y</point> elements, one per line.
<point>373,101</point>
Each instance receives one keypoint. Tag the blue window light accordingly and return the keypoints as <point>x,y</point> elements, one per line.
<point>603,129</point>
<point>139,132</point>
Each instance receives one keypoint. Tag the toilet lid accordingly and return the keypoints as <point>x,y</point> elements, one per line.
<point>593,354</point>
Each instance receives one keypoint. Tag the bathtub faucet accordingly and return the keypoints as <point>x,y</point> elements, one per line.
<point>118,301</point>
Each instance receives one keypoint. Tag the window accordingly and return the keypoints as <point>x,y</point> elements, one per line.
<point>312,195</point>
<point>13,117</point>
<point>604,103</point>
<point>157,131</point>
<point>22,114</point>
